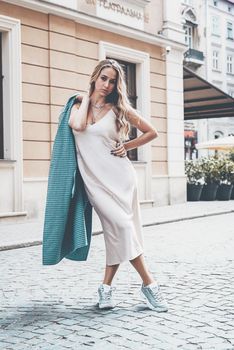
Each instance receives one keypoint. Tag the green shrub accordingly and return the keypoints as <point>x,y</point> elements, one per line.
<point>226,170</point>
<point>193,171</point>
<point>210,169</point>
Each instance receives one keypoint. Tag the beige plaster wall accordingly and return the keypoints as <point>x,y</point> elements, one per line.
<point>57,57</point>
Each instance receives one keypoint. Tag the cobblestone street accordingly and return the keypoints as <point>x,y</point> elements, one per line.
<point>54,307</point>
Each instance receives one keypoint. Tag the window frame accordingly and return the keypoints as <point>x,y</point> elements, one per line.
<point>230,30</point>
<point>188,28</point>
<point>215,59</point>
<point>215,27</point>
<point>142,61</point>
<point>12,163</point>
<point>230,64</point>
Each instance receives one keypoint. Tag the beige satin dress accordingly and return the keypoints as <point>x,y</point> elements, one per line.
<point>111,185</point>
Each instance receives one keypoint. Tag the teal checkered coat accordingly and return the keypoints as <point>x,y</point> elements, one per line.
<point>68,213</point>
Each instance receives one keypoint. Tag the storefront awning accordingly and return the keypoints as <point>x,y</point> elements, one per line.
<point>204,100</point>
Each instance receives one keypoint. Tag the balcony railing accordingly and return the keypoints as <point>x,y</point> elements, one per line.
<point>194,58</point>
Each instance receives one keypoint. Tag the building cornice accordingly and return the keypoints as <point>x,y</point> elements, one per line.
<point>96,22</point>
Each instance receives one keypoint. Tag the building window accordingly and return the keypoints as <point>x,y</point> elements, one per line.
<point>215,2</point>
<point>1,104</point>
<point>10,90</point>
<point>188,35</point>
<point>229,9</point>
<point>130,75</point>
<point>188,2</point>
<point>10,113</point>
<point>229,64</point>
<point>229,30</point>
<point>215,60</point>
<point>215,25</point>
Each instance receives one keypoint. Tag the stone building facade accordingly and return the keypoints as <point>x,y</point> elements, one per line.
<point>209,34</point>
<point>49,49</point>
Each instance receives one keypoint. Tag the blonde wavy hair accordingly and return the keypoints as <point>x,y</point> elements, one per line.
<point>118,96</point>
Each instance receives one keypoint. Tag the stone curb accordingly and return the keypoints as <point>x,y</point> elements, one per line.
<point>196,216</point>
<point>95,233</point>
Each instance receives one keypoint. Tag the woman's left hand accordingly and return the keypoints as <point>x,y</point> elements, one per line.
<point>119,151</point>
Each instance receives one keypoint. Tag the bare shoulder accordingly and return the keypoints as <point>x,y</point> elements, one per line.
<point>133,116</point>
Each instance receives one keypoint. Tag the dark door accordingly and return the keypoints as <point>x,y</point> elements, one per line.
<point>130,74</point>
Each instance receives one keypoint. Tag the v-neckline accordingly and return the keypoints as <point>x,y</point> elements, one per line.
<point>99,120</point>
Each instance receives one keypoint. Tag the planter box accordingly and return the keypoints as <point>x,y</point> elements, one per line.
<point>232,194</point>
<point>224,192</point>
<point>209,192</point>
<point>194,192</point>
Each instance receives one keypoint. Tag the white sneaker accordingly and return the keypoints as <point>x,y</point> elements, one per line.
<point>105,297</point>
<point>154,298</point>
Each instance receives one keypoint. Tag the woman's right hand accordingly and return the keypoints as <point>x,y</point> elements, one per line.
<point>79,99</point>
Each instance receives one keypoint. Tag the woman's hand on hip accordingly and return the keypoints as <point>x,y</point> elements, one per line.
<point>119,151</point>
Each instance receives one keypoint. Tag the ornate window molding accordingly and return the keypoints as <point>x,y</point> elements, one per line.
<point>12,102</point>
<point>142,61</point>
<point>190,16</point>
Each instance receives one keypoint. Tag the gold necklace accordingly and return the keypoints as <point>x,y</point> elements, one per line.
<point>98,106</point>
<point>94,116</point>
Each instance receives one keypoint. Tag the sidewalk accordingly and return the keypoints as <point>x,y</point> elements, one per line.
<point>29,233</point>
<point>55,307</point>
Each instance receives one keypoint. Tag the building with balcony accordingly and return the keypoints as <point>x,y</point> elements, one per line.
<point>48,50</point>
<point>193,57</point>
<point>209,31</point>
<point>220,49</point>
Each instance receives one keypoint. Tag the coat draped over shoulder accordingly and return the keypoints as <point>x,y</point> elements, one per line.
<point>68,214</point>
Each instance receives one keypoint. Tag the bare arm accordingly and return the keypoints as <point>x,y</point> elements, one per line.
<point>148,133</point>
<point>72,117</point>
<point>75,107</point>
<point>78,116</point>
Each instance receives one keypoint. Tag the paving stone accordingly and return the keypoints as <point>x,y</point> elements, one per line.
<point>54,307</point>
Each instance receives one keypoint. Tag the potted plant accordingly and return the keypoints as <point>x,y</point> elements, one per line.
<point>210,169</point>
<point>226,168</point>
<point>194,179</point>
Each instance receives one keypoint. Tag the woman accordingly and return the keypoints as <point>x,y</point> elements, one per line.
<point>100,124</point>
